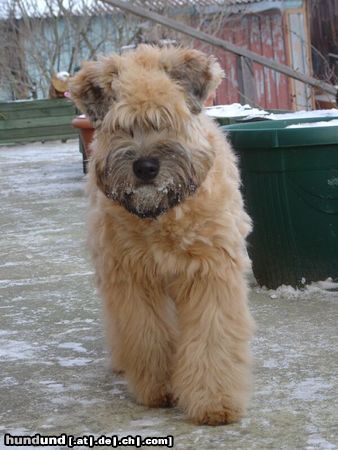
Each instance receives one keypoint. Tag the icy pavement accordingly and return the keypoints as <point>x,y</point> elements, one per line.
<point>54,369</point>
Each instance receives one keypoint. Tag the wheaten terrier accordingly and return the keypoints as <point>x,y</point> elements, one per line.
<point>167,231</point>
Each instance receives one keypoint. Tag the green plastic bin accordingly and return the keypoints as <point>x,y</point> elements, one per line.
<point>290,186</point>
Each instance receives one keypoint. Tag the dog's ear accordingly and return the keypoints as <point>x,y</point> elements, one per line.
<point>198,74</point>
<point>92,88</point>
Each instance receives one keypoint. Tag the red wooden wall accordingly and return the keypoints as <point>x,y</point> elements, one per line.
<point>262,33</point>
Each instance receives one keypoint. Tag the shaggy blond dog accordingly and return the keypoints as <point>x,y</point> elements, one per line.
<point>167,231</point>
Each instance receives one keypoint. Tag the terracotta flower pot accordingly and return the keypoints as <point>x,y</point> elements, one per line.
<point>86,131</point>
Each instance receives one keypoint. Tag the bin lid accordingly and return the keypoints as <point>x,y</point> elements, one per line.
<point>283,133</point>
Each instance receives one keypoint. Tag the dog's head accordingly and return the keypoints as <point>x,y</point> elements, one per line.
<point>150,147</point>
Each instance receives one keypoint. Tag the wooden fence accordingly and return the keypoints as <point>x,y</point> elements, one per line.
<point>36,120</point>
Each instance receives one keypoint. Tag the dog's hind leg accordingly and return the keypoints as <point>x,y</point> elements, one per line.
<point>143,338</point>
<point>212,363</point>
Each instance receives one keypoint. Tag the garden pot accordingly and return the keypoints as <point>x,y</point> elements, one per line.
<point>86,133</point>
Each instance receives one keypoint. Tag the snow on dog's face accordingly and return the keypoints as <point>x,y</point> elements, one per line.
<point>149,153</point>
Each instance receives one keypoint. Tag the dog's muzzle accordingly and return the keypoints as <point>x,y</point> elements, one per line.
<point>148,185</point>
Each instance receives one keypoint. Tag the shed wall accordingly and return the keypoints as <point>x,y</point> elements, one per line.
<point>248,82</point>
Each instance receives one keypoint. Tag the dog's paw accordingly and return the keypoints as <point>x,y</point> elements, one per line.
<point>162,401</point>
<point>223,416</point>
<point>157,398</point>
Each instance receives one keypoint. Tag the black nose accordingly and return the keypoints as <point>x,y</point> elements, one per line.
<point>146,169</point>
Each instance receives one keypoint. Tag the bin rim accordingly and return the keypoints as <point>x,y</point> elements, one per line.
<point>274,134</point>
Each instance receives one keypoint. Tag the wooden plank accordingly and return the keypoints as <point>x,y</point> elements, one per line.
<point>299,57</point>
<point>223,89</point>
<point>231,70</point>
<point>238,38</point>
<point>249,86</point>
<point>38,131</point>
<point>280,52</point>
<point>37,134</point>
<point>37,112</point>
<point>186,29</point>
<point>40,138</point>
<point>258,70</point>
<point>267,51</point>
<point>33,104</point>
<point>245,70</point>
<point>41,122</point>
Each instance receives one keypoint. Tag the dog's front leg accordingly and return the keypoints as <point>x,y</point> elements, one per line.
<point>144,338</point>
<point>212,366</point>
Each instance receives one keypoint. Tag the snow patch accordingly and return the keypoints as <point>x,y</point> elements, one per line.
<point>327,288</point>
<point>73,362</point>
<point>238,110</point>
<point>150,422</point>
<point>77,347</point>
<point>329,123</point>
<point>234,110</point>
<point>304,114</point>
<point>55,387</point>
<point>9,381</point>
<point>315,440</point>
<point>15,350</point>
<point>63,76</point>
<point>310,389</point>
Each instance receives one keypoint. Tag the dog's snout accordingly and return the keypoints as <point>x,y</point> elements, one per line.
<point>146,169</point>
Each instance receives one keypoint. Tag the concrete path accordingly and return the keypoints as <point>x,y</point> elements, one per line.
<point>54,369</point>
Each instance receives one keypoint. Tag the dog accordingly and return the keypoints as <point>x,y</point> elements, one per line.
<point>167,230</point>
